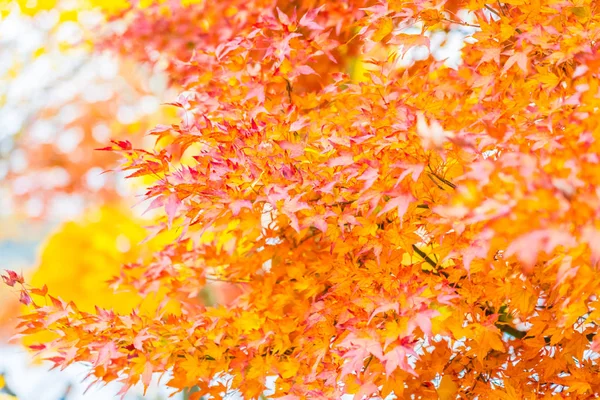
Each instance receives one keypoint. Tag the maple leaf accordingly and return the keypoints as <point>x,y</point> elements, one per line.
<point>308,19</point>
<point>171,206</point>
<point>359,350</point>
<point>447,389</point>
<point>11,278</point>
<point>409,41</point>
<point>519,58</point>
<point>398,358</point>
<point>401,203</point>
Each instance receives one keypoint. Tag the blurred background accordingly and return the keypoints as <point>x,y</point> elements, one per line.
<point>58,102</point>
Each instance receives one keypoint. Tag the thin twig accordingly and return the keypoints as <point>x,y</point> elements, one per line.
<point>288,88</point>
<point>369,362</point>
<point>501,8</point>
<point>216,279</point>
<point>443,180</point>
<point>492,10</point>
<point>461,23</point>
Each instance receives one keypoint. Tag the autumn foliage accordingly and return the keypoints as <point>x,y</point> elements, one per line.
<point>422,231</point>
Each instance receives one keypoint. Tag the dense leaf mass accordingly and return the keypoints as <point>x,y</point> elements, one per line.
<point>422,231</point>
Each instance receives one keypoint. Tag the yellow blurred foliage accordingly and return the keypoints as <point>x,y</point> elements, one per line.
<point>81,256</point>
<point>33,7</point>
<point>69,9</point>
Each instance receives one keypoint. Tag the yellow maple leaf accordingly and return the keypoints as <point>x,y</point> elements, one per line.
<point>447,389</point>
<point>488,339</point>
<point>384,28</point>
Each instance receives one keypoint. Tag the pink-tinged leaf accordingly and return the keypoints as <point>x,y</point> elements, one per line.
<point>299,124</point>
<point>478,249</point>
<point>25,298</point>
<point>57,303</point>
<point>384,308</point>
<point>480,171</point>
<point>159,129</point>
<point>415,170</point>
<point>107,353</point>
<point>294,223</point>
<point>369,176</point>
<point>446,299</point>
<point>305,70</point>
<point>11,278</point>
<point>397,358</point>
<point>294,149</point>
<point>565,271</point>
<point>360,349</point>
<point>519,58</point>
<point>156,203</point>
<point>120,394</point>
<point>423,321</point>
<point>308,20</point>
<point>138,342</point>
<point>171,207</point>
<point>579,71</point>
<point>257,92</point>
<point>320,223</point>
<point>401,202</point>
<point>147,376</point>
<point>55,316</point>
<point>366,389</point>
<point>291,207</point>
<point>340,161</point>
<point>409,41</point>
<point>283,18</point>
<point>528,246</point>
<point>490,54</point>
<point>237,205</point>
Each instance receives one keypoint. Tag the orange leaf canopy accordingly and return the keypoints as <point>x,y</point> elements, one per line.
<point>420,231</point>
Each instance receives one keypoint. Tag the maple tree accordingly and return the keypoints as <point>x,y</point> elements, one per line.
<point>423,231</point>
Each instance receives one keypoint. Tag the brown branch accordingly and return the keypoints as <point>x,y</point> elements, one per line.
<point>504,14</point>
<point>492,10</point>
<point>288,88</point>
<point>501,8</point>
<point>431,262</point>
<point>369,362</point>
<point>443,180</point>
<point>217,279</point>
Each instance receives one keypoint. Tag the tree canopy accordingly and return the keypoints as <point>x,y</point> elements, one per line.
<point>416,230</point>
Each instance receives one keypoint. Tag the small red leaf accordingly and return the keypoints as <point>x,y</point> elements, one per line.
<point>25,298</point>
<point>12,278</point>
